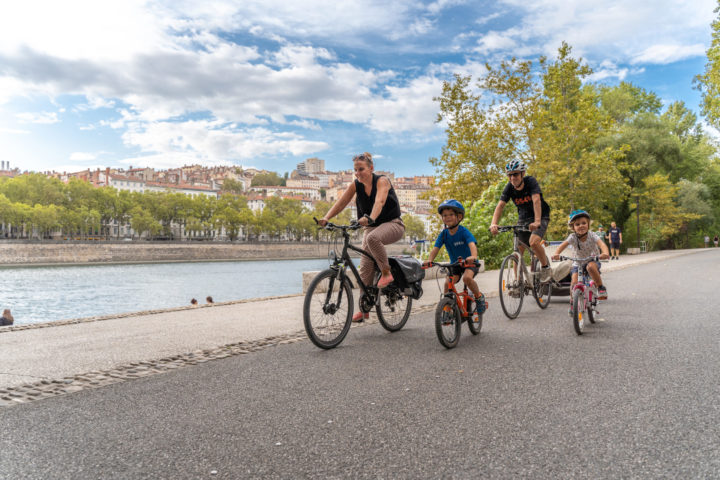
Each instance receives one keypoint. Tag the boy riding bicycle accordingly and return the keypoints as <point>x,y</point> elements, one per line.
<point>459,243</point>
<point>533,211</point>
<point>585,244</point>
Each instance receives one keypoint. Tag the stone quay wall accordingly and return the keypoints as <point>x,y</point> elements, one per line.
<point>141,252</point>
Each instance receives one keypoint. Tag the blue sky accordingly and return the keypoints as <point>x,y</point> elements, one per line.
<point>268,83</point>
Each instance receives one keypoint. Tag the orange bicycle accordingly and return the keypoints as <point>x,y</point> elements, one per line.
<point>455,307</point>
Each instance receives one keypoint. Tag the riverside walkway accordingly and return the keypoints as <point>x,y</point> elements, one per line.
<point>55,358</point>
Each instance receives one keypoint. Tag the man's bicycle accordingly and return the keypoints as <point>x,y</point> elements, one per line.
<point>583,297</point>
<point>516,281</point>
<point>454,308</point>
<point>328,307</point>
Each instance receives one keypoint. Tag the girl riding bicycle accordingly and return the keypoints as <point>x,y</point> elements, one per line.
<point>585,244</point>
<point>460,243</point>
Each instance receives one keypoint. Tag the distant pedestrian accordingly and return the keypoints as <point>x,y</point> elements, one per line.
<point>209,299</point>
<point>615,237</point>
<point>601,233</point>
<point>716,240</point>
<point>707,241</point>
<point>193,301</point>
<point>7,318</point>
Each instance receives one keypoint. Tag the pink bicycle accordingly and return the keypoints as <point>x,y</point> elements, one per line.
<point>583,296</point>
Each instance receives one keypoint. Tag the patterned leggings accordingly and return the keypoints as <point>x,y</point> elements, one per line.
<point>374,241</point>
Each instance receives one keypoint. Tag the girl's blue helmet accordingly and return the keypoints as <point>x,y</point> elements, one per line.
<point>452,204</point>
<point>515,166</point>
<point>575,214</point>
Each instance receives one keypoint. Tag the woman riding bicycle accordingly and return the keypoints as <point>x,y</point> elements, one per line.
<point>378,211</point>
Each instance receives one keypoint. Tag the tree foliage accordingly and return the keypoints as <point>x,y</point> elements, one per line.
<point>709,81</point>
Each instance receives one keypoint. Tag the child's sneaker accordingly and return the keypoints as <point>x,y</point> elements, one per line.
<point>602,293</point>
<point>480,304</point>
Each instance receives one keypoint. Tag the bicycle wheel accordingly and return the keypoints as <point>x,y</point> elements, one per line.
<point>578,311</point>
<point>447,322</point>
<point>473,325</point>
<point>394,308</point>
<point>512,290</point>
<point>591,308</point>
<point>541,291</point>
<point>327,311</point>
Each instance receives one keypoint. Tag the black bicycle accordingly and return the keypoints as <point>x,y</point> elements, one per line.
<point>516,282</point>
<point>328,307</point>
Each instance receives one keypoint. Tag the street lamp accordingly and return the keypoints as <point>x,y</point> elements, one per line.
<point>637,215</point>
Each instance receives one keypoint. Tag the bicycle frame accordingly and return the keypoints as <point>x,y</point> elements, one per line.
<point>459,297</point>
<point>517,243</point>
<point>342,262</point>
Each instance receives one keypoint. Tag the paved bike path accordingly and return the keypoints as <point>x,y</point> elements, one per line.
<point>55,350</point>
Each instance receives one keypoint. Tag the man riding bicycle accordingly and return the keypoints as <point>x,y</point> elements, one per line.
<point>533,211</point>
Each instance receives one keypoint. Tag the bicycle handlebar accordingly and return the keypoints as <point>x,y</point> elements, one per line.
<point>516,228</point>
<point>331,226</point>
<point>595,258</point>
<point>458,262</point>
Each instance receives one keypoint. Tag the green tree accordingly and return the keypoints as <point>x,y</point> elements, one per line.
<point>709,82</point>
<point>45,218</point>
<point>267,179</point>
<point>661,218</point>
<point>142,222</point>
<point>491,248</point>
<point>414,227</point>
<point>574,173</point>
<point>231,185</point>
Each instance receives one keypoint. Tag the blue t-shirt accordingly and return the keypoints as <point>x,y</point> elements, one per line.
<point>457,245</point>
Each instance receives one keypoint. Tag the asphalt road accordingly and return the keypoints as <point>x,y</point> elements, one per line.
<point>637,396</point>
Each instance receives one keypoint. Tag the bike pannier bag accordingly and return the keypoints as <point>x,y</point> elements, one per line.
<point>408,274</point>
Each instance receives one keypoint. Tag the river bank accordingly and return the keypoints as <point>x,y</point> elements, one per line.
<point>19,254</point>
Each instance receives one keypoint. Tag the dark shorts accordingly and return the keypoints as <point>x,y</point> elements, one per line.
<point>575,269</point>
<point>614,245</point>
<point>459,270</point>
<point>540,232</point>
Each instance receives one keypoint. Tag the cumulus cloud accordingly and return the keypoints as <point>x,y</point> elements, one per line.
<point>212,142</point>
<point>41,117</point>
<point>614,29</point>
<point>82,156</point>
<point>662,54</point>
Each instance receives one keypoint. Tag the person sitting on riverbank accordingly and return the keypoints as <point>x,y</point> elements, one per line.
<point>378,210</point>
<point>209,299</point>
<point>7,318</point>
<point>193,302</point>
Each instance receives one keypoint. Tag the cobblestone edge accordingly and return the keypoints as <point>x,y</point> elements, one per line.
<point>72,321</point>
<point>100,378</point>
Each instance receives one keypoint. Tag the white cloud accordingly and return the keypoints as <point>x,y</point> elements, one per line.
<point>43,117</point>
<point>14,131</point>
<point>662,54</point>
<point>212,142</point>
<point>82,156</point>
<point>613,29</point>
<point>493,41</point>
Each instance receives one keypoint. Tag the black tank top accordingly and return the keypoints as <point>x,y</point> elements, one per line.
<point>364,203</point>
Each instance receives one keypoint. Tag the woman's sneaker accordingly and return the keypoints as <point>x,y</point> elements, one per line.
<point>602,293</point>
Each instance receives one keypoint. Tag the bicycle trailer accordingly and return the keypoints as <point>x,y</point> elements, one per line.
<point>408,274</point>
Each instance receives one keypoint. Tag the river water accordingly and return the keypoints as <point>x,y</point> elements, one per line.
<point>41,294</point>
